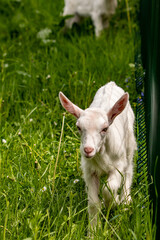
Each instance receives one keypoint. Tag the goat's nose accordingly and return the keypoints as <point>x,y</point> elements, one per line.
<point>88,150</point>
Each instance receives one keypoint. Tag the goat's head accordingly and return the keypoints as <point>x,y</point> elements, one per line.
<point>93,123</point>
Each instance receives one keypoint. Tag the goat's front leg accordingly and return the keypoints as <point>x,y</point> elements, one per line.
<point>110,192</point>
<point>92,184</point>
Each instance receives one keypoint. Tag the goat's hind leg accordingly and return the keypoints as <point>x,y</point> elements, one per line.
<point>70,21</point>
<point>105,21</point>
<point>126,197</point>
<point>129,169</point>
<point>98,24</point>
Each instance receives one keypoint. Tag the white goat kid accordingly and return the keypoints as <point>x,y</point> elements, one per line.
<point>107,145</point>
<point>98,10</point>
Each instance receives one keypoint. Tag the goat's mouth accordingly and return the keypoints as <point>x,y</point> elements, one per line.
<point>89,155</point>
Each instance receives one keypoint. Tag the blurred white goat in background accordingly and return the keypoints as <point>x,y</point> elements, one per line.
<point>107,145</point>
<point>98,10</point>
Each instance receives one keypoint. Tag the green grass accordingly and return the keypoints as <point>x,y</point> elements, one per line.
<point>39,159</point>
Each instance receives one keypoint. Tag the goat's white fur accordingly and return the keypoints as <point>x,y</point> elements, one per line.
<point>109,152</point>
<point>98,10</point>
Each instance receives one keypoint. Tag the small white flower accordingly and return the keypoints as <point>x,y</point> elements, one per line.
<point>4,54</point>
<point>4,141</point>
<point>131,65</point>
<point>48,76</point>
<point>6,65</point>
<point>22,25</point>
<point>19,133</point>
<point>43,189</point>
<point>55,123</point>
<point>25,74</point>
<point>37,11</point>
<point>31,119</point>
<point>76,181</point>
<point>44,89</point>
<point>45,41</point>
<point>44,33</point>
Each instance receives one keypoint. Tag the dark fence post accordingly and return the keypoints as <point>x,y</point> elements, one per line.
<point>150,42</point>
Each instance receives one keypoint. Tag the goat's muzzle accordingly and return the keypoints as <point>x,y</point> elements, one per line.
<point>88,152</point>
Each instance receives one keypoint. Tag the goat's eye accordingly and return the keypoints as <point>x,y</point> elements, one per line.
<point>104,130</point>
<point>79,129</point>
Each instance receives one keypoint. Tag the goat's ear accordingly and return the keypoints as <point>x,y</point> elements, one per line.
<point>69,106</point>
<point>118,107</point>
